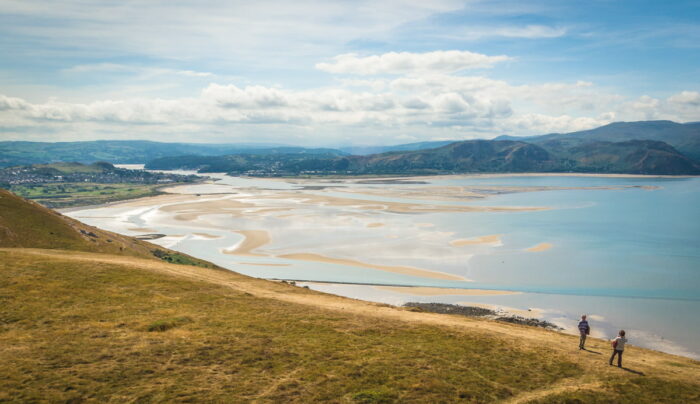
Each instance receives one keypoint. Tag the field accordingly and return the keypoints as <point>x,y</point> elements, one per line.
<point>80,194</point>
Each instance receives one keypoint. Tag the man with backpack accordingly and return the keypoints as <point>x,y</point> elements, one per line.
<point>584,329</point>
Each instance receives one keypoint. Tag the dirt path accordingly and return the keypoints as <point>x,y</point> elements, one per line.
<point>638,361</point>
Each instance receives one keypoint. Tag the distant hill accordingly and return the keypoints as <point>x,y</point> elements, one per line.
<point>470,156</point>
<point>683,137</point>
<point>632,157</point>
<point>243,162</point>
<point>366,150</point>
<point>127,151</point>
<point>608,149</point>
<point>465,156</point>
<point>100,172</point>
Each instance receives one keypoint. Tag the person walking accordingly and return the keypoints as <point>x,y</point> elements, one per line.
<point>618,345</point>
<point>584,329</point>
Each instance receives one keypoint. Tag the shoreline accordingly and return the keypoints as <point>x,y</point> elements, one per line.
<point>481,175</point>
<point>374,215</point>
<point>399,269</point>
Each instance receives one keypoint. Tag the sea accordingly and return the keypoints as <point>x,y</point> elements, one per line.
<point>625,250</point>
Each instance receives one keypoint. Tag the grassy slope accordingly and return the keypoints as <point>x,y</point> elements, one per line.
<point>27,224</point>
<point>76,325</point>
<point>90,325</point>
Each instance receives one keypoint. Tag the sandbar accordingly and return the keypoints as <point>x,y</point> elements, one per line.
<point>491,239</point>
<point>264,264</point>
<point>404,270</point>
<point>430,291</point>
<point>207,236</point>
<point>375,224</point>
<point>540,247</point>
<point>395,207</point>
<point>253,239</point>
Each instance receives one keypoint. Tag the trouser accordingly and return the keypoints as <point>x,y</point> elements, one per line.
<point>619,357</point>
<point>582,341</point>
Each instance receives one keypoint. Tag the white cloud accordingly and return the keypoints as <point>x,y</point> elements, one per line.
<point>524,32</point>
<point>530,32</point>
<point>8,103</point>
<point>425,106</point>
<point>406,62</point>
<point>143,71</point>
<point>686,98</point>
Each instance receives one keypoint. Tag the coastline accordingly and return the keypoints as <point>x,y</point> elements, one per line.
<point>385,234</point>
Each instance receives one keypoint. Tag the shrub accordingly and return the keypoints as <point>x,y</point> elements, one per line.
<point>168,323</point>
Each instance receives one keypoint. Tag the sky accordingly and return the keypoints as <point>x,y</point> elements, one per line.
<point>331,73</point>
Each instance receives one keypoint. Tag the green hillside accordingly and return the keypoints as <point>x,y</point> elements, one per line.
<point>82,323</point>
<point>60,185</point>
<point>26,224</point>
<point>13,153</point>
<point>469,156</point>
<point>683,137</point>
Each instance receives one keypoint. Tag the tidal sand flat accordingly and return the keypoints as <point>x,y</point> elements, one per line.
<point>490,242</point>
<point>422,273</point>
<point>253,240</point>
<point>494,239</point>
<point>540,247</point>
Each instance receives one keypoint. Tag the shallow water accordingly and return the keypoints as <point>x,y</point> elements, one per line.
<point>627,252</point>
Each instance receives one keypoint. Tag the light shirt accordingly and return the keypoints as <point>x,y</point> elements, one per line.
<point>620,343</point>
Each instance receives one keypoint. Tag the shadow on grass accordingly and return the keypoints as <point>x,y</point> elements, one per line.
<point>593,352</point>
<point>636,372</point>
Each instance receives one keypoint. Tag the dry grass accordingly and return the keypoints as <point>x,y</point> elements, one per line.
<point>74,326</point>
<point>79,330</point>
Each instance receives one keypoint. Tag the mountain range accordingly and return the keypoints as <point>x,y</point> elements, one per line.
<point>14,153</point>
<point>645,147</point>
<point>685,137</point>
<point>631,148</point>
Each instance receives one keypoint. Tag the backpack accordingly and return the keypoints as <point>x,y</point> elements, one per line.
<point>614,343</point>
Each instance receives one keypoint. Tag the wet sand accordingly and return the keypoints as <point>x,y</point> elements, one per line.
<point>540,247</point>
<point>428,291</point>
<point>404,270</point>
<point>207,236</point>
<point>492,239</point>
<point>254,239</point>
<point>395,207</point>
<point>264,264</point>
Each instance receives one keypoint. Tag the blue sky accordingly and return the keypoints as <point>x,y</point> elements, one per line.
<point>330,73</point>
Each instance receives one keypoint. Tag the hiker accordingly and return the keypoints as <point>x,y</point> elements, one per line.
<point>584,329</point>
<point>618,345</point>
